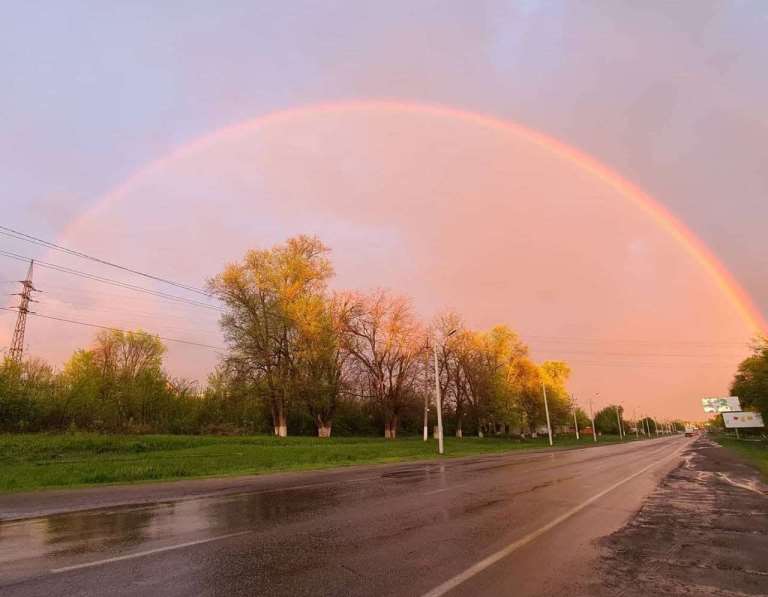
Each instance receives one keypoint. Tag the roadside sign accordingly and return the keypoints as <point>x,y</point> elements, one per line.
<point>721,405</point>
<point>743,419</point>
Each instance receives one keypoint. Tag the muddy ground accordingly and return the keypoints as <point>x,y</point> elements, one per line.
<point>703,531</point>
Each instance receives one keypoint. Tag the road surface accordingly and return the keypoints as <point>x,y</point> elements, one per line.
<point>514,524</point>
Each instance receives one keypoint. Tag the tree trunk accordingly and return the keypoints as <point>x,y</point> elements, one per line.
<point>390,427</point>
<point>323,426</point>
<point>279,421</point>
<point>459,430</point>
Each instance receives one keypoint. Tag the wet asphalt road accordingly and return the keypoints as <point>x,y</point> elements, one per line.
<point>522,524</point>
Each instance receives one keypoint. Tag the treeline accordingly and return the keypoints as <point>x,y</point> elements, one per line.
<point>301,358</point>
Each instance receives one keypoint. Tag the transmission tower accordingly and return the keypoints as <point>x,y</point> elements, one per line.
<point>17,345</point>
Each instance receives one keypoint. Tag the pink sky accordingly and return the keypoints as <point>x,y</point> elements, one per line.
<point>455,215</point>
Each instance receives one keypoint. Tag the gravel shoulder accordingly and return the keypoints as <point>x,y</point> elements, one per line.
<point>703,531</point>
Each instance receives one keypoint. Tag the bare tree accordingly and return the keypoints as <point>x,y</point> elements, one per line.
<point>386,342</point>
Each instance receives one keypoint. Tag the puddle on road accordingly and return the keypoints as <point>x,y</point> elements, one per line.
<point>124,529</point>
<point>121,530</point>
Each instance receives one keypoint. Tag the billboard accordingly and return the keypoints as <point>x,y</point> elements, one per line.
<point>745,419</point>
<point>721,405</point>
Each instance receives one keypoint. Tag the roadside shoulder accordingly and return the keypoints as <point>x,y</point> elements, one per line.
<point>704,530</point>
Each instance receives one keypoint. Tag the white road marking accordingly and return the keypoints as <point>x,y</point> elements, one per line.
<point>149,552</point>
<point>434,491</point>
<point>482,565</point>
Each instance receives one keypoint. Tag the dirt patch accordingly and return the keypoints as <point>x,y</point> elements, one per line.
<point>703,531</point>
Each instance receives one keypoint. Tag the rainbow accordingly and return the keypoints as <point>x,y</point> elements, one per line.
<point>658,213</point>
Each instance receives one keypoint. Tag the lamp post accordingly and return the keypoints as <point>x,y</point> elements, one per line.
<point>438,400</point>
<point>575,419</point>
<point>592,416</point>
<point>546,410</point>
<point>618,420</point>
<point>637,431</point>
<point>426,397</point>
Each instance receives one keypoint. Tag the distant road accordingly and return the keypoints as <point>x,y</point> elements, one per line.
<point>514,524</point>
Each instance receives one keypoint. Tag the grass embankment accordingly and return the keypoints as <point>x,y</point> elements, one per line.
<point>754,451</point>
<point>37,461</point>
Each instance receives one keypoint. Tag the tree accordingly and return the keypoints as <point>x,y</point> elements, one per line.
<point>448,331</point>
<point>386,343</point>
<point>487,372</point>
<point>28,394</point>
<point>127,354</point>
<point>647,425</point>
<point>530,400</point>
<point>583,418</point>
<point>750,383</point>
<point>555,376</point>
<point>322,354</point>
<point>266,296</point>
<point>118,382</point>
<point>606,419</point>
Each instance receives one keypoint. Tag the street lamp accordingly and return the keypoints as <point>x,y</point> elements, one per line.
<point>426,394</point>
<point>618,420</point>
<point>592,416</point>
<point>575,420</point>
<point>637,431</point>
<point>546,410</point>
<point>438,401</point>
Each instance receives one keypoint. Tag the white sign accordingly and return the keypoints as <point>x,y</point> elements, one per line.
<point>745,419</point>
<point>721,405</point>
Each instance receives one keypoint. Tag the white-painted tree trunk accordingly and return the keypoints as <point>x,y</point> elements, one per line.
<point>281,425</point>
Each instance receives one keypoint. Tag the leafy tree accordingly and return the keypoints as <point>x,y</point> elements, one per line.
<point>647,425</point>
<point>266,296</point>
<point>488,371</point>
<point>607,421</point>
<point>321,359</point>
<point>27,394</point>
<point>530,399</point>
<point>581,416</point>
<point>751,381</point>
<point>555,375</point>
<point>118,383</point>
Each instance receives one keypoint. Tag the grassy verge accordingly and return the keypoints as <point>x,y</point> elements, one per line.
<point>37,461</point>
<point>754,451</point>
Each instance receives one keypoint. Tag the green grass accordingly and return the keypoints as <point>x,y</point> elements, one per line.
<point>754,451</point>
<point>37,461</point>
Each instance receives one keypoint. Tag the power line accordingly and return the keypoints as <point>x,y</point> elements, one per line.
<point>131,319</point>
<point>114,329</point>
<point>576,339</point>
<point>643,354</point>
<point>619,365</point>
<point>111,281</point>
<point>10,232</point>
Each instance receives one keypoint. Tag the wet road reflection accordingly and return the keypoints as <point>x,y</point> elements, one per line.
<point>302,525</point>
<point>61,539</point>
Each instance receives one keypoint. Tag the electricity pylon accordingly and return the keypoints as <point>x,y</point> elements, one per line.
<point>17,345</point>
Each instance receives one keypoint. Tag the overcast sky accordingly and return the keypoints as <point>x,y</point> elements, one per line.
<point>671,95</point>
